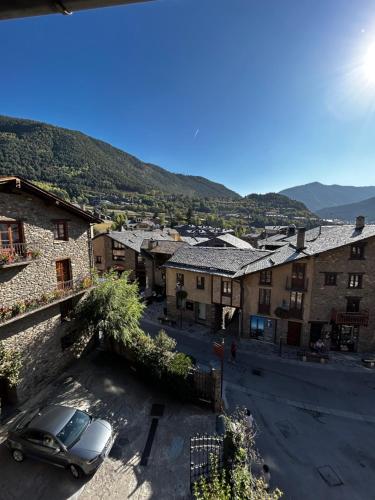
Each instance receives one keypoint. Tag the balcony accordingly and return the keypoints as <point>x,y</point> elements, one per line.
<point>62,291</point>
<point>296,285</point>
<point>17,254</point>
<point>360,318</point>
<point>264,308</point>
<point>295,313</point>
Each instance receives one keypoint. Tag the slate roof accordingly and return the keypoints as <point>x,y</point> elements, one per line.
<point>224,261</point>
<point>164,247</point>
<point>134,239</point>
<point>193,240</point>
<point>317,240</point>
<point>230,239</point>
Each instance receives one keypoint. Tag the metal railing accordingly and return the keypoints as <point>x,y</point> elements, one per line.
<point>62,289</point>
<point>17,252</point>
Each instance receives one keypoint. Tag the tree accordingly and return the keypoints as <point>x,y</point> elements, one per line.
<point>119,221</point>
<point>112,308</point>
<point>189,215</point>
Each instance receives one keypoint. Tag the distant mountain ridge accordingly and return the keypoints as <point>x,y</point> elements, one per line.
<point>317,196</point>
<point>79,163</point>
<point>349,212</point>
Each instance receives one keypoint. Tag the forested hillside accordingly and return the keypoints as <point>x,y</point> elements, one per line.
<point>80,164</point>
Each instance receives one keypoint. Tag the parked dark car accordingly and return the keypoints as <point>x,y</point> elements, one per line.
<point>63,436</point>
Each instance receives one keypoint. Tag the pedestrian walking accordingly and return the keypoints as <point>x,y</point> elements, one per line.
<point>233,351</point>
<point>266,476</point>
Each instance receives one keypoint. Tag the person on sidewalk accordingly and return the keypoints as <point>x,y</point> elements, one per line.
<point>233,351</point>
<point>266,476</point>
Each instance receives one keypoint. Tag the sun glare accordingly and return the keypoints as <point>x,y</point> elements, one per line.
<point>369,64</point>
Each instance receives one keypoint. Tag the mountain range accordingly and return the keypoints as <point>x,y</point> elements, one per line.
<point>335,201</point>
<point>80,164</point>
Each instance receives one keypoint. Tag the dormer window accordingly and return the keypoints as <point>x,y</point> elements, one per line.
<point>60,230</point>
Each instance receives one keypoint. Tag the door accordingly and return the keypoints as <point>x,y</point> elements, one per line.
<point>63,274</point>
<point>201,310</point>
<point>294,333</point>
<point>315,332</point>
<point>43,446</point>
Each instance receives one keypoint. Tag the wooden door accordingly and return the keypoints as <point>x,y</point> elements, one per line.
<point>294,333</point>
<point>63,274</point>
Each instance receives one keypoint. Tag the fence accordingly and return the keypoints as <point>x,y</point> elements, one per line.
<point>204,452</point>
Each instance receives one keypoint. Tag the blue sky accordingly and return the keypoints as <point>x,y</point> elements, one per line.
<point>257,94</point>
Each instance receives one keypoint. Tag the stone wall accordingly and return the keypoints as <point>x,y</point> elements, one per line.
<point>326,297</point>
<point>38,338</point>
<point>39,276</point>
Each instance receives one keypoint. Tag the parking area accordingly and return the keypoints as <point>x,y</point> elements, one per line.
<point>101,385</point>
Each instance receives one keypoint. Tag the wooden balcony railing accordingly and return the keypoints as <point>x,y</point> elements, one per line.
<point>295,313</point>
<point>63,289</point>
<point>17,254</point>
<point>264,308</point>
<point>360,318</point>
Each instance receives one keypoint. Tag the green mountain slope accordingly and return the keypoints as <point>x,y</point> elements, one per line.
<point>317,196</point>
<point>81,164</point>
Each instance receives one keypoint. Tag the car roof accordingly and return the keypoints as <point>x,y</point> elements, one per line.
<point>52,418</point>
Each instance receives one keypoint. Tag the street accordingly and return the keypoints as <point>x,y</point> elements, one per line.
<point>315,423</point>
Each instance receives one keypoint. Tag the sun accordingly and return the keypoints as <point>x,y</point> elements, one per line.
<point>369,64</point>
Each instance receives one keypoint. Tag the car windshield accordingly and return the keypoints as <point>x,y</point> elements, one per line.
<point>72,431</point>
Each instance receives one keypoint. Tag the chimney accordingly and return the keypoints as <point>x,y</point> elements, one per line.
<point>360,223</point>
<point>301,238</point>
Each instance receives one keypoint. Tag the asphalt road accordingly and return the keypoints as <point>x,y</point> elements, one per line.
<point>316,424</point>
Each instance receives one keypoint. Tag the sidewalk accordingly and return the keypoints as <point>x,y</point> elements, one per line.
<point>288,354</point>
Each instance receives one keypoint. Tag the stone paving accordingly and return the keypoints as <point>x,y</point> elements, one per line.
<point>257,347</point>
<point>101,385</point>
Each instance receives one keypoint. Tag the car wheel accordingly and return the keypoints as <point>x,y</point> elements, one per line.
<point>18,455</point>
<point>75,471</point>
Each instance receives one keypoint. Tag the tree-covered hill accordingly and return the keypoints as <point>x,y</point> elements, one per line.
<point>81,164</point>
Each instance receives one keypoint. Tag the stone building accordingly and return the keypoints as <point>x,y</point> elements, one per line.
<point>207,276</point>
<point>45,268</point>
<point>319,284</point>
<point>155,254</point>
<point>121,250</point>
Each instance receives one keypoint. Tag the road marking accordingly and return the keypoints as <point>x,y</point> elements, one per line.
<point>301,404</point>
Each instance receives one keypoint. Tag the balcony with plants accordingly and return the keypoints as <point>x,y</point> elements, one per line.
<point>17,254</point>
<point>62,291</point>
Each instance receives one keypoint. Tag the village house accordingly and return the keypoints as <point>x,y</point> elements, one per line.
<point>319,284</point>
<point>121,250</point>
<point>155,254</point>
<point>45,269</point>
<point>206,275</point>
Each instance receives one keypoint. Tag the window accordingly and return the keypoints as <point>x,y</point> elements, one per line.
<point>226,288</point>
<point>200,282</point>
<point>257,324</point>
<point>98,259</point>
<point>117,245</point>
<point>352,304</point>
<point>189,306</point>
<point>330,279</point>
<point>63,274</point>
<point>296,301</point>
<point>33,436</point>
<point>357,251</point>
<point>355,281</point>
<point>60,230</point>
<point>264,305</point>
<point>179,279</point>
<point>266,277</point>
<point>10,235</point>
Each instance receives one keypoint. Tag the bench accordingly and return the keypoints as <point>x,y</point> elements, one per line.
<point>167,321</point>
<point>318,357</point>
<point>368,362</point>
